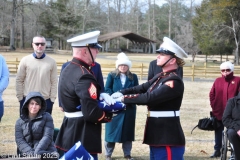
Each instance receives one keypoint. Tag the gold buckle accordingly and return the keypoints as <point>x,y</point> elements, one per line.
<point>148,114</point>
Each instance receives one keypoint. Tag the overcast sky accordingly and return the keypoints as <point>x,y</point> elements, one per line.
<point>187,2</point>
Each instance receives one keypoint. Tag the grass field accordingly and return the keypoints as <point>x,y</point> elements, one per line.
<point>195,105</point>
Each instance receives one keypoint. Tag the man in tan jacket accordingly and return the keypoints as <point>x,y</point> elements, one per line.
<point>37,72</point>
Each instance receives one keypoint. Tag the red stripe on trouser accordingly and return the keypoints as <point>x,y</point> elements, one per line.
<point>169,153</point>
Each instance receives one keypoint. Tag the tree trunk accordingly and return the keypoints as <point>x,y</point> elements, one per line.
<point>22,26</point>
<point>149,19</point>
<point>12,32</point>
<point>170,19</point>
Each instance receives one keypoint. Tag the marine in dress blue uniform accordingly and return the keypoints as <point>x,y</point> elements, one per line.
<point>78,86</point>
<point>163,96</point>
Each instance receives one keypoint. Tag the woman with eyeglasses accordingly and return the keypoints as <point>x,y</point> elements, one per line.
<point>224,88</point>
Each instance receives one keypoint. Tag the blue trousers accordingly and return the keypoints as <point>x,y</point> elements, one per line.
<point>167,153</point>
<point>218,136</point>
<point>49,104</point>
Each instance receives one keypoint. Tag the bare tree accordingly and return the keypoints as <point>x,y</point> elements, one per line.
<point>13,21</point>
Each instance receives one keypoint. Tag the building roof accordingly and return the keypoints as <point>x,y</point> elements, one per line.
<point>126,34</point>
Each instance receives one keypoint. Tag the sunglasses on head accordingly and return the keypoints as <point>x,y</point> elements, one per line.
<point>225,70</point>
<point>37,44</point>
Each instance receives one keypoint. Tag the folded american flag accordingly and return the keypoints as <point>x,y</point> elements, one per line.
<point>116,108</point>
<point>77,152</point>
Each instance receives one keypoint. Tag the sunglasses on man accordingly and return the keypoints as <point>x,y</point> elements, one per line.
<point>37,44</point>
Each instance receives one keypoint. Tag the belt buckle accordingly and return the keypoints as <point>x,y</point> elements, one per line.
<point>148,113</point>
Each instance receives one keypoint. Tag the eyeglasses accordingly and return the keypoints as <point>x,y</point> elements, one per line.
<point>37,44</point>
<point>226,70</point>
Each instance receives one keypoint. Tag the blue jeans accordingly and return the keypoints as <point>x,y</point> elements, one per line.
<point>167,152</point>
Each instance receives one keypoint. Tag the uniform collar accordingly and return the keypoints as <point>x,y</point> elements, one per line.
<point>168,72</point>
<point>81,62</point>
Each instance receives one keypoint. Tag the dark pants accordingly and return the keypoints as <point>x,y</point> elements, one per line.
<point>218,136</point>
<point>1,110</point>
<point>234,138</point>
<point>49,104</point>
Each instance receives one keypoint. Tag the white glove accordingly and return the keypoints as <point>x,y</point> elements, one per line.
<point>108,99</point>
<point>116,95</point>
<point>119,99</point>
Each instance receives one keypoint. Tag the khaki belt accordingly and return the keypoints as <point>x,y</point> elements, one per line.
<point>163,113</point>
<point>73,114</point>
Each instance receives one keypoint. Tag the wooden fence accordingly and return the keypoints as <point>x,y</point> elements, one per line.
<point>141,70</point>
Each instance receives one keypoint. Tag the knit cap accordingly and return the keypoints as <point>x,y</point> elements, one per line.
<point>123,59</point>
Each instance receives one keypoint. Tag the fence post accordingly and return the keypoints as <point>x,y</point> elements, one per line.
<point>193,67</point>
<point>16,65</point>
<point>141,71</point>
<point>205,69</point>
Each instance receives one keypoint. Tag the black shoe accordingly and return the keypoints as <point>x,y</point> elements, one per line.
<point>216,153</point>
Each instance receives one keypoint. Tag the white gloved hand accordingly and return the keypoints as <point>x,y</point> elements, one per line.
<point>108,99</point>
<point>116,95</point>
<point>119,99</point>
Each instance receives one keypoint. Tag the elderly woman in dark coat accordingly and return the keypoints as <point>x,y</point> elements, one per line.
<point>121,128</point>
<point>34,129</point>
<point>231,120</point>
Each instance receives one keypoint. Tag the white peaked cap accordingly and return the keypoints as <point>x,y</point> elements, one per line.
<point>227,65</point>
<point>123,59</point>
<point>86,39</point>
<point>170,47</point>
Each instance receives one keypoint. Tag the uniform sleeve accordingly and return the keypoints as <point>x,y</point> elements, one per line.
<point>59,99</point>
<point>165,92</point>
<point>4,77</point>
<point>109,84</point>
<point>88,95</point>
<point>47,136</point>
<point>22,145</point>
<point>20,77</point>
<point>227,119</point>
<point>137,89</point>
<point>54,82</point>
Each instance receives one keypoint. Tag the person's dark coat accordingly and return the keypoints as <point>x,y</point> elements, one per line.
<point>154,69</point>
<point>164,92</point>
<point>35,136</point>
<point>97,71</point>
<point>122,126</point>
<point>231,115</point>
<point>221,91</point>
<point>78,86</point>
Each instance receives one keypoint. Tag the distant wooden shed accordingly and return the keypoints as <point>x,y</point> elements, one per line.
<point>139,44</point>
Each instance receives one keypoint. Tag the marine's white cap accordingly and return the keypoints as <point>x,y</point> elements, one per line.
<point>227,65</point>
<point>89,39</point>
<point>170,47</point>
<point>123,59</point>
